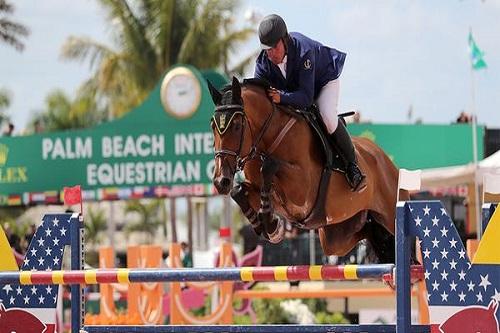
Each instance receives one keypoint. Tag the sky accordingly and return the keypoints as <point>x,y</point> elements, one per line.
<point>401,54</point>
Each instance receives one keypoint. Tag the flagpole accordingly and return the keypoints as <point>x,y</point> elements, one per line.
<point>479,230</point>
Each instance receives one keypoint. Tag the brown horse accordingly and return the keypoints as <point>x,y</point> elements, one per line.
<point>283,163</point>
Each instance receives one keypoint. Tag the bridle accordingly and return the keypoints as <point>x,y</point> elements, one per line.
<point>233,110</point>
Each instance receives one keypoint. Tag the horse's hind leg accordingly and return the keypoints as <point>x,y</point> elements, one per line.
<point>382,241</point>
<point>340,238</point>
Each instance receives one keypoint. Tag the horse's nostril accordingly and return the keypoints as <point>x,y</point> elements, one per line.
<point>225,182</point>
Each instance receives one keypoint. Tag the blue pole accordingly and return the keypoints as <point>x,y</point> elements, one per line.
<point>403,248</point>
<point>77,263</point>
<point>488,210</point>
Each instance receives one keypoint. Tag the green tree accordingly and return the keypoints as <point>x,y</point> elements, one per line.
<point>148,222</point>
<point>149,37</point>
<point>4,104</point>
<point>4,99</point>
<point>95,225</point>
<point>62,113</point>
<point>11,32</point>
<point>10,216</point>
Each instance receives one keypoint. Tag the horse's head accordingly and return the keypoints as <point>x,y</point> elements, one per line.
<point>228,125</point>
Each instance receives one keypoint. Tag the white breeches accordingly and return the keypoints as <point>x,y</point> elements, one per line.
<point>328,101</point>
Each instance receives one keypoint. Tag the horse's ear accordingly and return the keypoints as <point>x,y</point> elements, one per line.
<point>236,90</point>
<point>216,95</point>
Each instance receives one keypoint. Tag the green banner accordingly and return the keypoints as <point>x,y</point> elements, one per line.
<point>424,146</point>
<point>162,148</point>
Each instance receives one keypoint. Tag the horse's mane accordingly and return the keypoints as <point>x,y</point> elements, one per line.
<point>227,94</point>
<point>262,83</point>
<point>253,82</point>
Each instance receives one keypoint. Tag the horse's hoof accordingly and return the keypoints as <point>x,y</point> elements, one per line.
<point>258,229</point>
<point>278,234</point>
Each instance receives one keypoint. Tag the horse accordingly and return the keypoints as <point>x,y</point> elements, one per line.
<point>284,167</point>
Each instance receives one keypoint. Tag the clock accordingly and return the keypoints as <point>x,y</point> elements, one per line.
<point>181,92</point>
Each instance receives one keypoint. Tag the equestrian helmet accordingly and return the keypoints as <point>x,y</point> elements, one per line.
<point>272,28</point>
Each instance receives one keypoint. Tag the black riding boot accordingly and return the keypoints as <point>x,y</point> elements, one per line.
<point>342,141</point>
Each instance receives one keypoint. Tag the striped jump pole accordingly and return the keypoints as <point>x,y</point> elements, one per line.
<point>245,274</point>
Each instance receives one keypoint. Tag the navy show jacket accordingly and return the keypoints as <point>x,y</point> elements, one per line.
<point>310,65</point>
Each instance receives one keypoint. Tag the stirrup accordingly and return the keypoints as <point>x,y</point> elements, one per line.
<point>360,184</point>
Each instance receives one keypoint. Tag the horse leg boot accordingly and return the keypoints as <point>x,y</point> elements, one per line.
<point>275,227</point>
<point>240,196</point>
<point>342,141</point>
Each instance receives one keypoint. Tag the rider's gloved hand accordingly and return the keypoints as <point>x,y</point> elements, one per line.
<point>274,94</point>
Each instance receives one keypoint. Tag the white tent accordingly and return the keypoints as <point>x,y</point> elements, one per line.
<point>461,174</point>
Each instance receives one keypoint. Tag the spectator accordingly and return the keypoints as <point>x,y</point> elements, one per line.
<point>37,126</point>
<point>463,118</point>
<point>7,230</point>
<point>9,130</point>
<point>356,118</point>
<point>15,244</point>
<point>30,234</point>
<point>187,259</point>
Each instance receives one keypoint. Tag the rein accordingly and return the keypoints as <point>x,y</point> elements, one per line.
<point>253,150</point>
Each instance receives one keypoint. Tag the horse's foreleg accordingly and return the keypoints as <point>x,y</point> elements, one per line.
<point>240,196</point>
<point>273,225</point>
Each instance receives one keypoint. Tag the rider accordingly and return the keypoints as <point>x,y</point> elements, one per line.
<point>302,71</point>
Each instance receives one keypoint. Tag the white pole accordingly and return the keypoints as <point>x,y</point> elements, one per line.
<point>312,247</point>
<point>479,230</point>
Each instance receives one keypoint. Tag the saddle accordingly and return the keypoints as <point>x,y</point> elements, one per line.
<point>333,160</point>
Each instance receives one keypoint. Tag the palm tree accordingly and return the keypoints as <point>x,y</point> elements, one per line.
<point>150,36</point>
<point>4,104</point>
<point>62,113</point>
<point>95,225</point>
<point>149,221</point>
<point>4,99</point>
<point>11,32</point>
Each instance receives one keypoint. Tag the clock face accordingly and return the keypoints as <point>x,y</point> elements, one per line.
<point>181,92</point>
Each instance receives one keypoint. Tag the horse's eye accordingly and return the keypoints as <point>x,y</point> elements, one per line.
<point>237,126</point>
